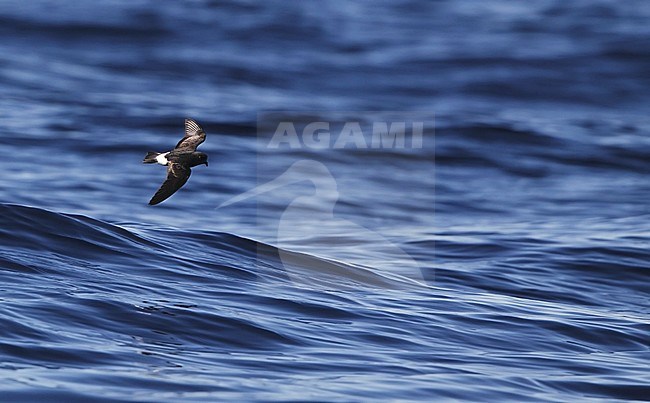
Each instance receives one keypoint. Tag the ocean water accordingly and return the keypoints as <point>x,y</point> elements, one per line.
<point>505,257</point>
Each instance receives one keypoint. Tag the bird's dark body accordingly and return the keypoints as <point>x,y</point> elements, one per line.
<point>179,161</point>
<point>190,159</point>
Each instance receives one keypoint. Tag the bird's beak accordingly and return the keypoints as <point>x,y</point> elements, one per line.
<point>206,163</point>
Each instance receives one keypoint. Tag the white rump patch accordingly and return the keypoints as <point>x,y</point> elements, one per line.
<point>161,159</point>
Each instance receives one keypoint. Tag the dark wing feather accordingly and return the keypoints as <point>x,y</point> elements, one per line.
<point>177,175</point>
<point>194,135</point>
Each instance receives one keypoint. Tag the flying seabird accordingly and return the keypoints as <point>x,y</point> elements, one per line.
<point>179,161</point>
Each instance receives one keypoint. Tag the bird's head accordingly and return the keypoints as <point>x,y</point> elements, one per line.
<point>200,158</point>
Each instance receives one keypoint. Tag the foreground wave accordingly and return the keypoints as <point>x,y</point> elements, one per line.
<point>128,312</point>
<point>65,239</point>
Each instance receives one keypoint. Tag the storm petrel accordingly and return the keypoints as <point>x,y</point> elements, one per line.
<point>179,161</point>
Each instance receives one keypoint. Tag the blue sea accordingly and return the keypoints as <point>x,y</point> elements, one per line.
<point>501,252</point>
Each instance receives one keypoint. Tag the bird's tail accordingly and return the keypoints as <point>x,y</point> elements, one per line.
<point>150,158</point>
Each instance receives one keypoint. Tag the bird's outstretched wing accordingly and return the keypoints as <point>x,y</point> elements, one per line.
<point>194,135</point>
<point>177,175</point>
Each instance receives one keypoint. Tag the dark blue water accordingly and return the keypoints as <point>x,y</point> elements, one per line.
<point>505,259</point>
